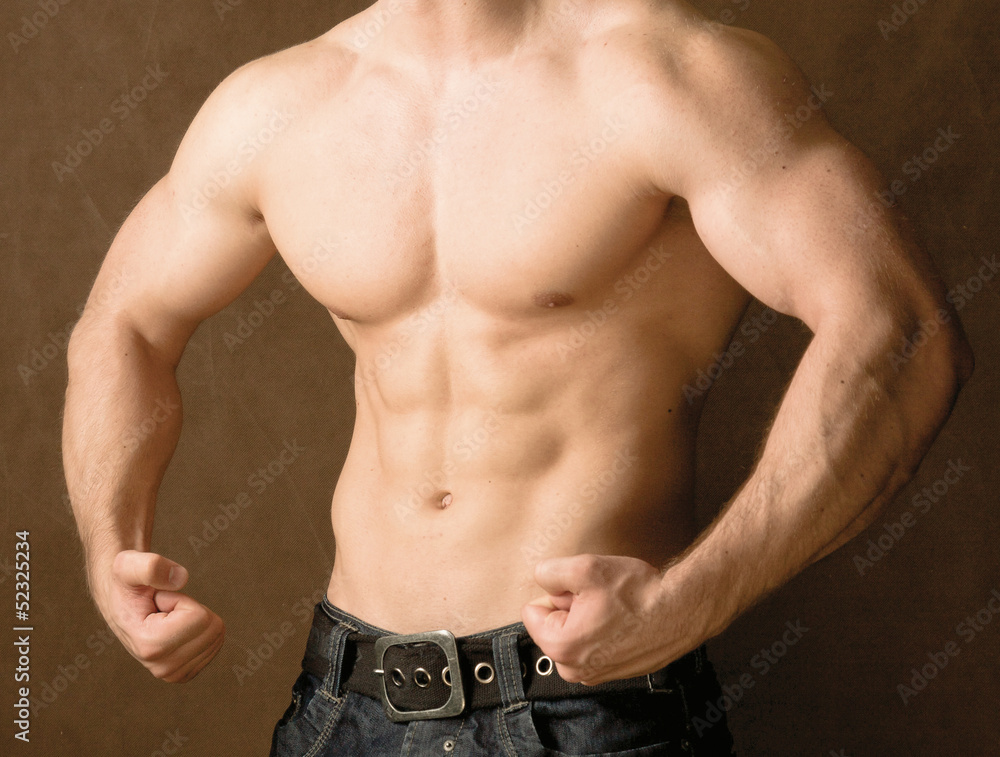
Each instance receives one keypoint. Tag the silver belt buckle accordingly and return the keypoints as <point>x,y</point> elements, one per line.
<point>445,640</point>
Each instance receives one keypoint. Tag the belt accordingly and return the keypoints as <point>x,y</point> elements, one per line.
<point>435,675</point>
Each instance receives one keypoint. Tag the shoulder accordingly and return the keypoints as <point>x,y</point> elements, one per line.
<point>690,87</point>
<point>676,54</point>
<point>290,79</point>
<point>257,105</point>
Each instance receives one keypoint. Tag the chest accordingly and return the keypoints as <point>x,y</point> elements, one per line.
<point>500,191</point>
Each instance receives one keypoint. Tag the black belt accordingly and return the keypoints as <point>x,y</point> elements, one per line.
<point>414,674</point>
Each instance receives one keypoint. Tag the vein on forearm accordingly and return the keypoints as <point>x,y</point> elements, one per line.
<point>848,434</point>
<point>121,424</point>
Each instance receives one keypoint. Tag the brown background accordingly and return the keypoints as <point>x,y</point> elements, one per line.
<point>834,690</point>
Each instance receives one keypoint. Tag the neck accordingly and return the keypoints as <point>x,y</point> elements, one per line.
<point>460,29</point>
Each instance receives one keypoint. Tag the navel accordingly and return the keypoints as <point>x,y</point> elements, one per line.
<point>445,502</point>
<point>553,300</point>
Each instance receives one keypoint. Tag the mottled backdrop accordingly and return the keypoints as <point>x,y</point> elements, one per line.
<point>96,96</point>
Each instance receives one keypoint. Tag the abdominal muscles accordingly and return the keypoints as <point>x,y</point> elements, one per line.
<point>481,448</point>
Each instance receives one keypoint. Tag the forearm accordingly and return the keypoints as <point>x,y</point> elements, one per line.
<point>121,425</point>
<point>848,435</point>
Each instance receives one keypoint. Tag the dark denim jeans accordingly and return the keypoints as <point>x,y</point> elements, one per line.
<point>323,721</point>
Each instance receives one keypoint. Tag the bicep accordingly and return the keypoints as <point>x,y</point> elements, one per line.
<point>805,233</point>
<point>785,204</point>
<point>170,267</point>
<point>195,241</point>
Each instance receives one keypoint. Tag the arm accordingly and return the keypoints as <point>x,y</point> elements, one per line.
<point>799,226</point>
<point>804,233</point>
<point>179,258</point>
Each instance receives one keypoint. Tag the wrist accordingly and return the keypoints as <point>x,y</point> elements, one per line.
<point>703,595</point>
<point>100,572</point>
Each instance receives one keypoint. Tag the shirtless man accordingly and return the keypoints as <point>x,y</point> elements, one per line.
<point>534,222</point>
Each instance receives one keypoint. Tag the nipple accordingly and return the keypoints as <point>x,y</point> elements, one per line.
<point>445,501</point>
<point>553,300</point>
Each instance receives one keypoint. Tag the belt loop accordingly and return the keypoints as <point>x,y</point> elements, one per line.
<point>333,650</point>
<point>508,662</point>
<point>660,681</point>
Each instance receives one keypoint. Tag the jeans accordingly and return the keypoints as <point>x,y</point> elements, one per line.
<point>324,721</point>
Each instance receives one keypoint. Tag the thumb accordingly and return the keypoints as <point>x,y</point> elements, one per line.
<point>533,616</point>
<point>543,619</point>
<point>135,568</point>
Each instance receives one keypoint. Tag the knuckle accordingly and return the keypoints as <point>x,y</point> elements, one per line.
<point>559,652</point>
<point>570,675</point>
<point>591,566</point>
<point>121,561</point>
<point>149,650</point>
<point>183,676</point>
<point>161,672</point>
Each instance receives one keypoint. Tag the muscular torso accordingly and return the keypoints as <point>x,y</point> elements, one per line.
<point>525,313</point>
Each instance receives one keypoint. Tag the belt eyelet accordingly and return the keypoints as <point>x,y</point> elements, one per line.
<point>486,677</point>
<point>544,666</point>
<point>422,678</point>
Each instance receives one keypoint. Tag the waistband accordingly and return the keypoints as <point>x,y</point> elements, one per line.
<point>359,626</point>
<point>497,667</point>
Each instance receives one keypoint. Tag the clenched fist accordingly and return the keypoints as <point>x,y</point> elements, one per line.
<point>171,634</point>
<point>608,617</point>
